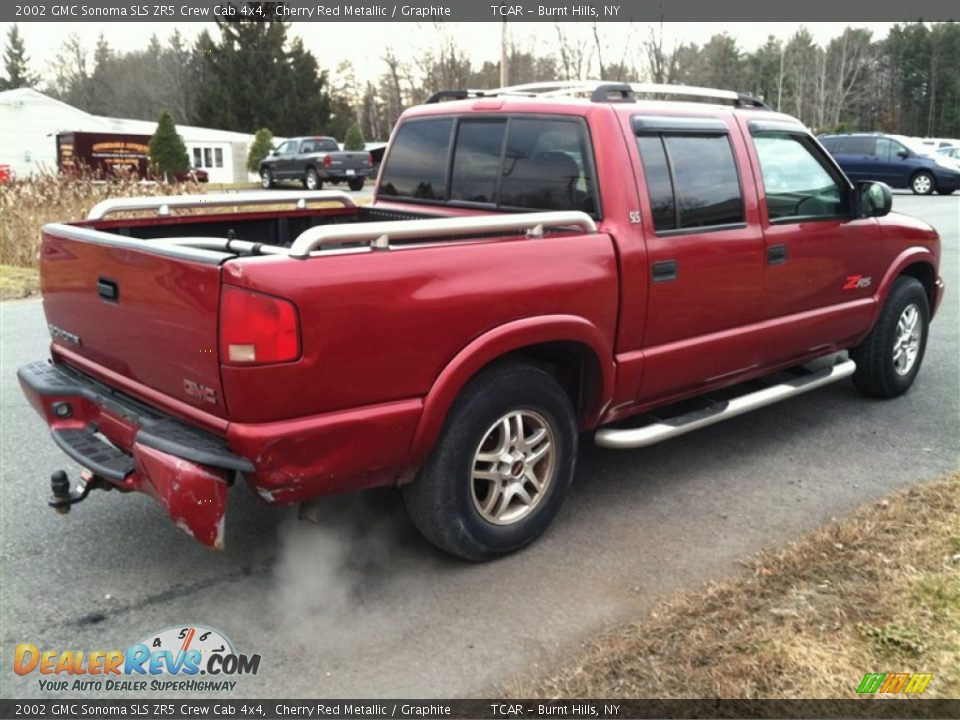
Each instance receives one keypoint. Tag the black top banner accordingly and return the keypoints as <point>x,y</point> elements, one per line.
<point>356,709</point>
<point>481,11</point>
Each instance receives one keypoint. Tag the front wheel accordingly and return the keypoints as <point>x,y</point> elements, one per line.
<point>501,467</point>
<point>889,358</point>
<point>266,179</point>
<point>355,184</point>
<point>923,183</point>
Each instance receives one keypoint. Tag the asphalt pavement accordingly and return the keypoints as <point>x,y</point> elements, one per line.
<point>355,604</point>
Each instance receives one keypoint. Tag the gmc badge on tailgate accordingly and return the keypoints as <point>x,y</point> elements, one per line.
<point>200,392</point>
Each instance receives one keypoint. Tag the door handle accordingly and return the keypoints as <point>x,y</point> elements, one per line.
<point>664,271</point>
<point>108,290</point>
<point>776,254</point>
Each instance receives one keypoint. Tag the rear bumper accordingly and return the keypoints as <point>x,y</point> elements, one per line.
<point>136,448</point>
<point>343,173</point>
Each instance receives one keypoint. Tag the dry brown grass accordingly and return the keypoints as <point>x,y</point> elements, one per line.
<point>878,591</point>
<point>18,282</point>
<point>27,205</point>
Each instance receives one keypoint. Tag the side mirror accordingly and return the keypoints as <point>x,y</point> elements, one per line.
<point>904,154</point>
<point>874,199</point>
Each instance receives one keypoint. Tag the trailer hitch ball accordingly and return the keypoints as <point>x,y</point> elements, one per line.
<point>60,487</point>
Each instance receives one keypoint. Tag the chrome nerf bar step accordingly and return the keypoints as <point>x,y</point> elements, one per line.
<point>714,412</point>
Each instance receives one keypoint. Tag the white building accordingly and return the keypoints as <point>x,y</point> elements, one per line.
<point>30,122</point>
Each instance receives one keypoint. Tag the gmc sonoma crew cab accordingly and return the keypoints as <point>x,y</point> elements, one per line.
<point>313,160</point>
<point>539,262</point>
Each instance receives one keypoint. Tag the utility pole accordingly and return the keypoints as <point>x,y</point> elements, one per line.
<point>503,54</point>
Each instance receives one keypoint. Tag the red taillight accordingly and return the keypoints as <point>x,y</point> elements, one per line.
<point>327,161</point>
<point>257,329</point>
<point>369,159</point>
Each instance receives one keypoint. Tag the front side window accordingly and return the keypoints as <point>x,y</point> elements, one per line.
<point>692,181</point>
<point>798,182</point>
<point>886,149</point>
<point>287,148</point>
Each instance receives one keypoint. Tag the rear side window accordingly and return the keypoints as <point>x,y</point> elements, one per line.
<point>855,145</point>
<point>528,163</point>
<point>692,181</point>
<point>417,166</point>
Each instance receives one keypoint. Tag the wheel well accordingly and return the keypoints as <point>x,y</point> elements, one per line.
<point>927,277</point>
<point>575,367</point>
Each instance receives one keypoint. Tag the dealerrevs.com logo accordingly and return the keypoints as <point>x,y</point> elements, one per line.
<point>169,660</point>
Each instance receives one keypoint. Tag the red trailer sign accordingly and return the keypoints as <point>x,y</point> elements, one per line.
<point>104,154</point>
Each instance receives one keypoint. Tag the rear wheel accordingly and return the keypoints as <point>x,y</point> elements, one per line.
<point>266,179</point>
<point>923,183</point>
<point>502,466</point>
<point>889,359</point>
<point>311,180</point>
<point>355,184</point>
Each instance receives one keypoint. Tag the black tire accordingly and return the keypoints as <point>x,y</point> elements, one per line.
<point>266,179</point>
<point>946,192</point>
<point>312,180</point>
<point>876,373</point>
<point>923,183</point>
<point>355,184</point>
<point>443,501</point>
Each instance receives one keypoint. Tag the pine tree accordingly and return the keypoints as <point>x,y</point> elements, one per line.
<point>168,154</point>
<point>259,149</point>
<point>16,63</point>
<point>354,139</point>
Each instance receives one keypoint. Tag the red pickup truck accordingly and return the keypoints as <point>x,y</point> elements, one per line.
<point>539,262</point>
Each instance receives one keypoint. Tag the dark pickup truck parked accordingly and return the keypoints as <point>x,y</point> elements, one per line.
<point>313,161</point>
<point>532,268</point>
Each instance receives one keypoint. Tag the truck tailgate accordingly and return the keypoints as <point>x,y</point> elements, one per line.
<point>348,160</point>
<point>149,317</point>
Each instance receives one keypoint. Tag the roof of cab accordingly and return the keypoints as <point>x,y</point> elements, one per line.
<point>577,106</point>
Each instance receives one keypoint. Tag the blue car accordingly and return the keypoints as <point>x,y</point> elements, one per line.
<point>899,161</point>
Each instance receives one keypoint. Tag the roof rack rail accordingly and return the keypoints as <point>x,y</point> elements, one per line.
<point>622,92</point>
<point>606,91</point>
<point>453,95</point>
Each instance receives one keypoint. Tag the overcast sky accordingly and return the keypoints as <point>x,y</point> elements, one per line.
<point>364,43</point>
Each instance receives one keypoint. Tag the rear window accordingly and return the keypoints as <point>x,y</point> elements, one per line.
<point>417,165</point>
<point>319,145</point>
<point>476,159</point>
<point>530,163</point>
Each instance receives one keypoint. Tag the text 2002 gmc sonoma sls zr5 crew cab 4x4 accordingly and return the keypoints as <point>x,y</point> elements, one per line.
<point>540,261</point>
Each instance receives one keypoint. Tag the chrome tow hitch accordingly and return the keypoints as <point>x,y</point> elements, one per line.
<point>63,496</point>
